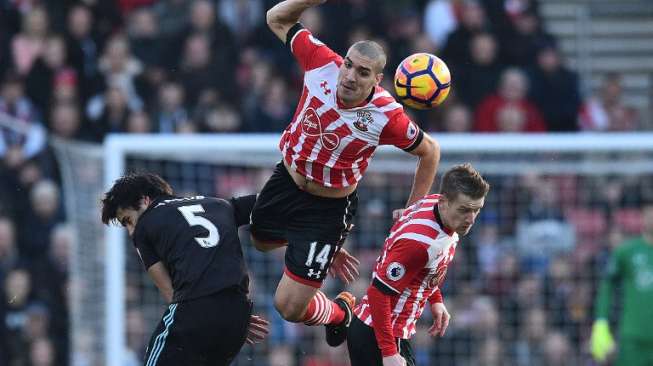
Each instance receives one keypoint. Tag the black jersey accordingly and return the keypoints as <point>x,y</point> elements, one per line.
<point>196,238</point>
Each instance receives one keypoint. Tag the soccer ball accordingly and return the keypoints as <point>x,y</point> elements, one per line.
<point>422,81</point>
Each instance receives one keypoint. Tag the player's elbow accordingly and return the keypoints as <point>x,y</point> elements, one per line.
<point>273,19</point>
<point>430,150</point>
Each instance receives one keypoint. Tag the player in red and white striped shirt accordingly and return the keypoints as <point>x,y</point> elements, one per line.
<point>308,203</point>
<point>411,269</point>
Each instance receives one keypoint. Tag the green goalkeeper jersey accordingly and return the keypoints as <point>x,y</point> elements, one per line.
<point>631,264</point>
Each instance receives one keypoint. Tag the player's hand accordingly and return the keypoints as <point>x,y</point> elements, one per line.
<point>394,360</point>
<point>257,329</point>
<point>345,266</point>
<point>601,341</point>
<point>396,214</point>
<point>440,319</point>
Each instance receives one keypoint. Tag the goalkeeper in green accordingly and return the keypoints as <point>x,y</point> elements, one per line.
<point>631,264</point>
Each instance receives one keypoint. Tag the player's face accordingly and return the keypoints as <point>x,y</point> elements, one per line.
<point>128,217</point>
<point>459,214</point>
<point>356,78</point>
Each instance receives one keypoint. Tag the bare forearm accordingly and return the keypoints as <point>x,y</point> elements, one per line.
<point>425,172</point>
<point>286,13</point>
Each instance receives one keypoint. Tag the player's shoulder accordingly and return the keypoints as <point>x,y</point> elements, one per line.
<point>384,100</point>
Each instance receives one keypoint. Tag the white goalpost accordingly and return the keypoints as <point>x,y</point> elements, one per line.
<point>109,288</point>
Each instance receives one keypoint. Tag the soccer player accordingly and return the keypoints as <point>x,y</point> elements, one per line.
<point>190,248</point>
<point>411,269</point>
<point>631,266</point>
<point>309,201</point>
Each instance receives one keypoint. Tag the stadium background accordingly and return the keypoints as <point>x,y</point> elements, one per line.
<point>521,288</point>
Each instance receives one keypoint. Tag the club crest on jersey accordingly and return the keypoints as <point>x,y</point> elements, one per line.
<point>364,118</point>
<point>312,127</point>
<point>412,130</point>
<point>395,271</point>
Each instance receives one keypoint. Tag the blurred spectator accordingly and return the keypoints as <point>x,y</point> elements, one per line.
<point>47,68</point>
<point>42,353</point>
<point>120,69</point>
<point>21,134</point>
<point>17,287</point>
<point>529,346</point>
<point>458,44</point>
<point>8,246</point>
<point>172,16</point>
<point>274,112</point>
<point>607,110</point>
<point>558,350</point>
<point>223,118</point>
<point>440,19</point>
<point>554,90</point>
<point>145,37</point>
<point>84,46</point>
<point>241,16</point>
<point>170,112</point>
<point>511,93</point>
<point>139,122</point>
<point>38,222</point>
<point>457,118</point>
<point>199,71</point>
<point>478,77</point>
<point>65,121</point>
<point>28,45</point>
<point>523,40</point>
<point>108,112</point>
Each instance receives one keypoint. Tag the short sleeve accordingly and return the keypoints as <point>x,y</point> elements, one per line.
<point>403,261</point>
<point>401,132</point>
<point>145,251</point>
<point>310,52</point>
<point>243,207</point>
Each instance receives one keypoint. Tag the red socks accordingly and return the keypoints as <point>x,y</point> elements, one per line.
<point>321,310</point>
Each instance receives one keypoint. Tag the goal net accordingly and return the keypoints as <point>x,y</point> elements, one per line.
<point>520,289</point>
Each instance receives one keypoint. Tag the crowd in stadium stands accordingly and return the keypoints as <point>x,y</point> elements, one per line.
<point>79,70</point>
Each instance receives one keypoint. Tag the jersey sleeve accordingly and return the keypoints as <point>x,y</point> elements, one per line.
<point>401,132</point>
<point>143,247</point>
<point>309,52</point>
<point>243,207</point>
<point>403,261</point>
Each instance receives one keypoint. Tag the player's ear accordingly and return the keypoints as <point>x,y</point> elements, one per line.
<point>379,77</point>
<point>145,201</point>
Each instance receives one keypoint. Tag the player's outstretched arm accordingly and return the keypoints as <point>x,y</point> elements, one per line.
<point>284,15</point>
<point>428,153</point>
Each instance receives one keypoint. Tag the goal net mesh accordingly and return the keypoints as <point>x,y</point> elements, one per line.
<point>520,290</point>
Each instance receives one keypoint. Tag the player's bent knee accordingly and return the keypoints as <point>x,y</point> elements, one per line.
<point>290,311</point>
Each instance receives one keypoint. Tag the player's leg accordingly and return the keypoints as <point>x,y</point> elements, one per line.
<point>160,341</point>
<point>406,351</point>
<point>269,216</point>
<point>362,345</point>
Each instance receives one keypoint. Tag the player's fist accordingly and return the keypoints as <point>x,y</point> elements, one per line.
<point>396,214</point>
<point>601,341</point>
<point>394,360</point>
<point>257,329</point>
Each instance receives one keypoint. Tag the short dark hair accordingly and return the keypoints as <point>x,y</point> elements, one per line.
<point>373,51</point>
<point>127,192</point>
<point>464,179</point>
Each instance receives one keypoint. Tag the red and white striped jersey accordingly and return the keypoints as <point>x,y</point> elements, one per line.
<point>412,266</point>
<point>328,143</point>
